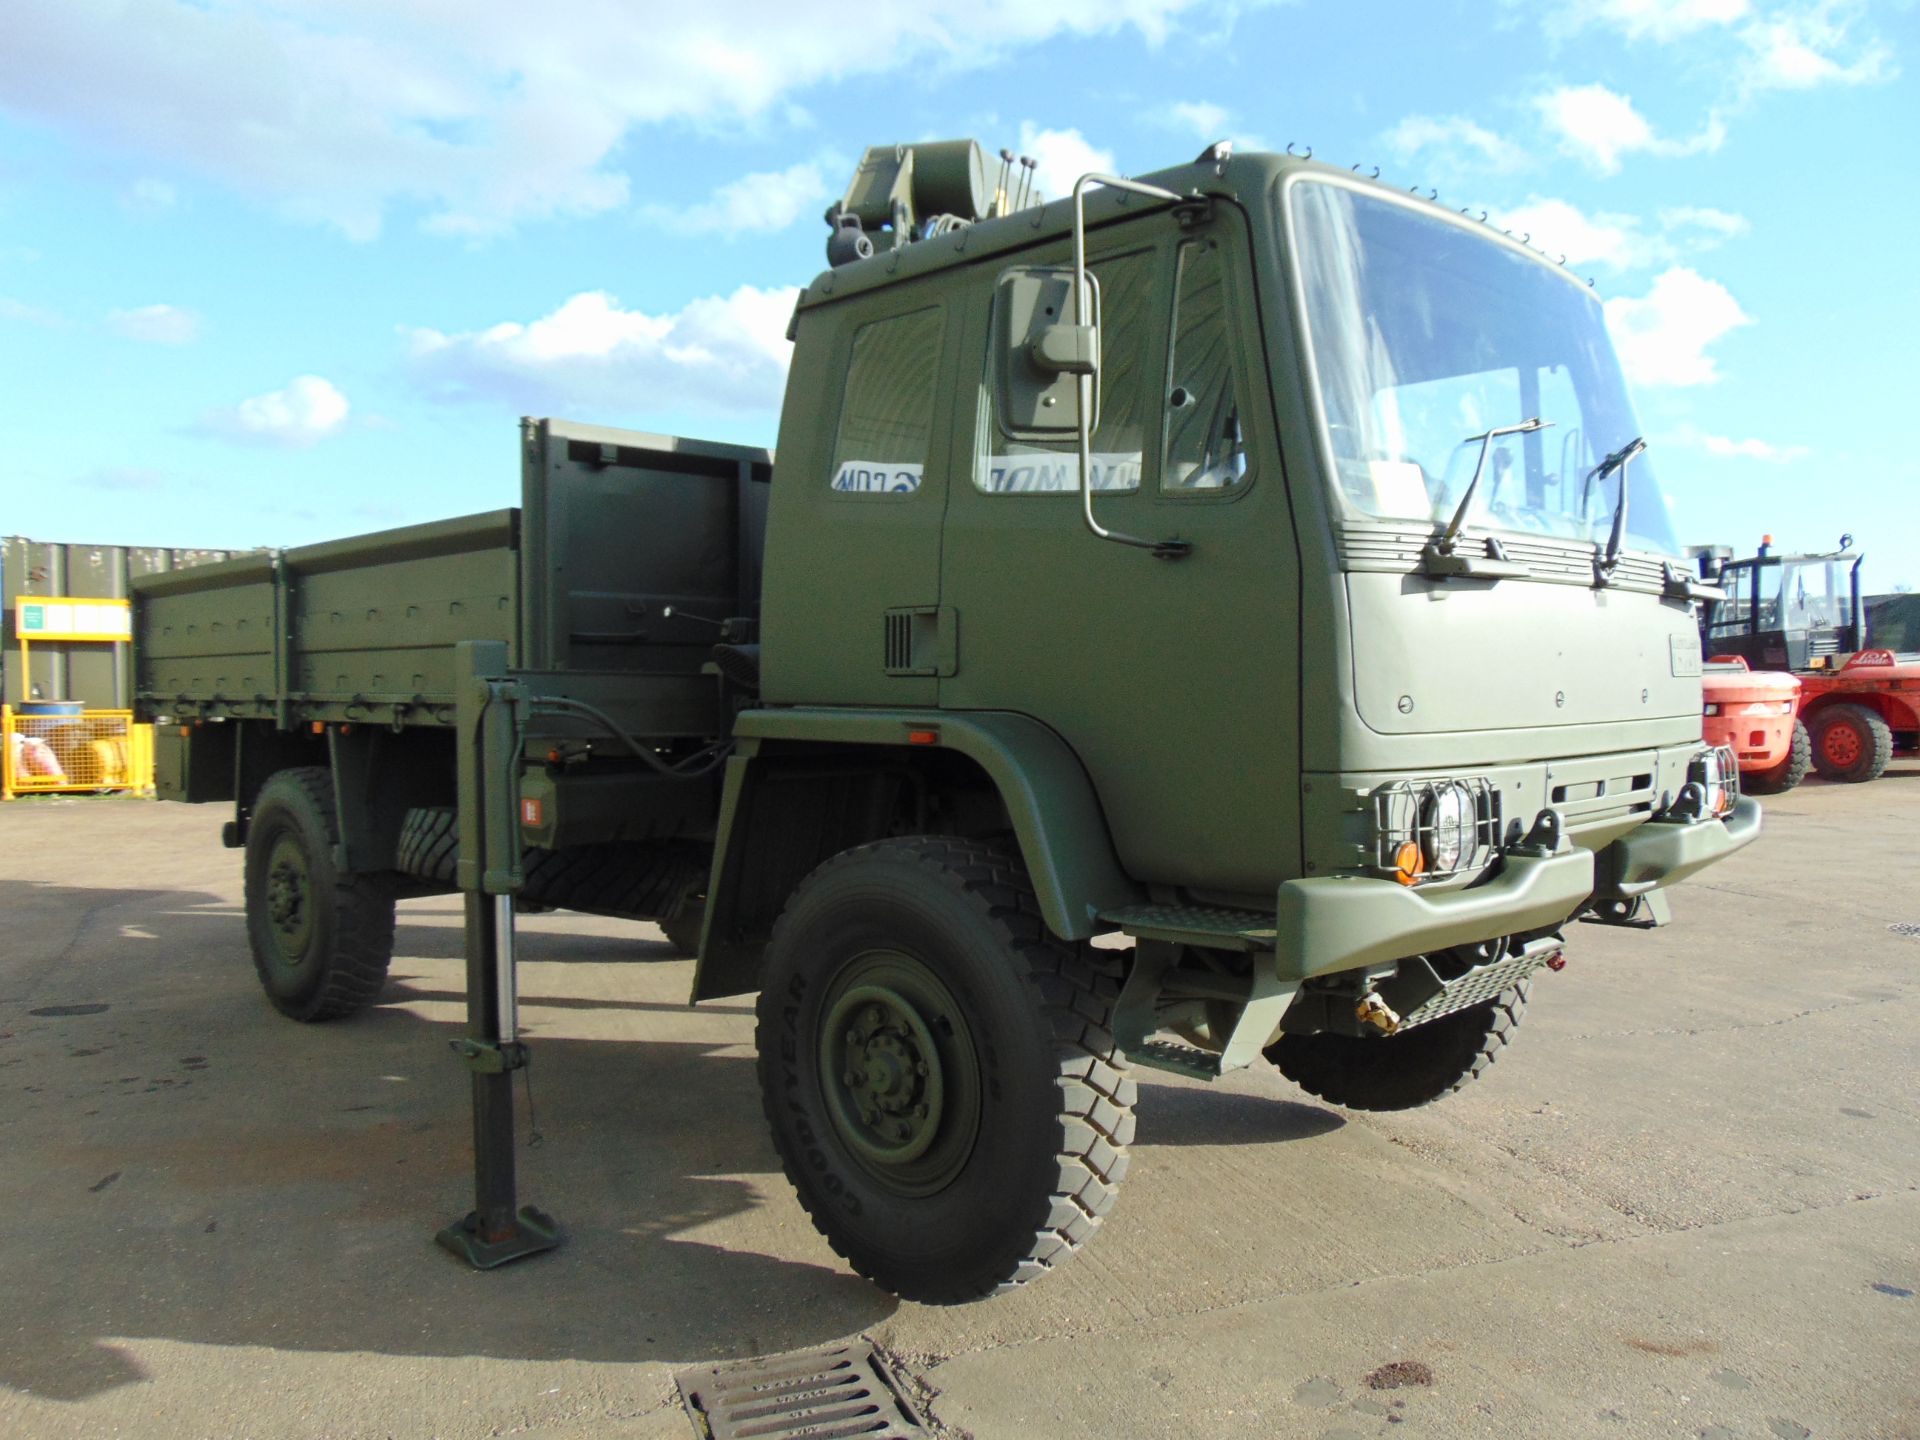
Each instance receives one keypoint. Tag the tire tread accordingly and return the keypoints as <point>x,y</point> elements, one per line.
<point>1075,986</point>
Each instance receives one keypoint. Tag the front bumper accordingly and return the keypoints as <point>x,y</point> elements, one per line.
<point>1661,852</point>
<point>1344,922</point>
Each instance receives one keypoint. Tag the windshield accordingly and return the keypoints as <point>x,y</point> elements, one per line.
<point>1807,595</point>
<point>1425,336</point>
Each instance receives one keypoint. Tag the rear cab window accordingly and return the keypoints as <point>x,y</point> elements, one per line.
<point>886,413</point>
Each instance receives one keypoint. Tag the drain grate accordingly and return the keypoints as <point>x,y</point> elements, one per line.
<point>843,1391</point>
<point>1906,928</point>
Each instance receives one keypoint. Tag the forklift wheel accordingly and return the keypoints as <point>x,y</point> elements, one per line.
<point>1850,743</point>
<point>1788,773</point>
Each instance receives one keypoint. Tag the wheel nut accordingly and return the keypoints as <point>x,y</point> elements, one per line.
<point>920,1068</point>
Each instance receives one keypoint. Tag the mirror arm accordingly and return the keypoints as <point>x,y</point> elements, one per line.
<point>1083,383</point>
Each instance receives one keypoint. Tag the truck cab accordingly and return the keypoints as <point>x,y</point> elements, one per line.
<point>1297,372</point>
<point>1254,559</point>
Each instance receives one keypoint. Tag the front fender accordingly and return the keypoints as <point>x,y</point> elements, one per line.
<point>1050,800</point>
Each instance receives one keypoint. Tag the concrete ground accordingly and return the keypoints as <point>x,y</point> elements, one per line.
<point>1684,1204</point>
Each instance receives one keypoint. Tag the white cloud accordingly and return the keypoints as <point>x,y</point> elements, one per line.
<point>149,196</point>
<point>1662,336</point>
<point>726,353</point>
<point>1454,145</point>
<point>1063,156</point>
<point>1620,242</point>
<point>1657,20</point>
<point>772,200</point>
<point>303,413</point>
<point>122,477</point>
<point>157,324</point>
<point>1207,123</point>
<point>11,309</point>
<point>1763,450</point>
<point>1599,126</point>
<point>478,115</point>
<point>1203,118</point>
<point>1796,49</point>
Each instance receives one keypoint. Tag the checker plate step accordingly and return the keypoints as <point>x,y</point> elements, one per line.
<point>1196,925</point>
<point>843,1391</point>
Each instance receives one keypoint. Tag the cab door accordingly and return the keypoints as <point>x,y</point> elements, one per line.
<point>1176,680</point>
<point>851,608</point>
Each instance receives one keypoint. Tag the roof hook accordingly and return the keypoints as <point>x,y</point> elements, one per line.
<point>1374,176</point>
<point>1432,194</point>
<point>1297,154</point>
<point>1483,217</point>
<point>1527,239</point>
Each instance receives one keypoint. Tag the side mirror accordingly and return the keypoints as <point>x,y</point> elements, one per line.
<point>1043,354</point>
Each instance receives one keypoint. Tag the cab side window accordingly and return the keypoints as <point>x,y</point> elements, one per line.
<point>886,413</point>
<point>1004,464</point>
<point>1206,449</point>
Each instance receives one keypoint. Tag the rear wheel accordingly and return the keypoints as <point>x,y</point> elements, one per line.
<point>321,937</point>
<point>938,1071</point>
<point>1850,743</point>
<point>1414,1067</point>
<point>1788,773</point>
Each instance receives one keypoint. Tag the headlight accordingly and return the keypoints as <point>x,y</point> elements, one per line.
<point>1717,774</point>
<point>1426,829</point>
<point>1447,828</point>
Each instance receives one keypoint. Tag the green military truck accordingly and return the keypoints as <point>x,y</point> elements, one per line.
<point>1251,561</point>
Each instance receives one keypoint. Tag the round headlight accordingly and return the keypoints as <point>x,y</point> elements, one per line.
<point>1449,827</point>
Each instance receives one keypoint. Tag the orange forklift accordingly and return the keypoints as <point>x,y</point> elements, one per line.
<point>1798,618</point>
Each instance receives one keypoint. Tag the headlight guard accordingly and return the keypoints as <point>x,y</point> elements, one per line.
<point>1429,829</point>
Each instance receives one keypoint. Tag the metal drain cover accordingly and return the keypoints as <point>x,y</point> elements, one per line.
<point>845,1390</point>
<point>1906,928</point>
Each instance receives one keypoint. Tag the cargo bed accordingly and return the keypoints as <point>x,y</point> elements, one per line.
<point>625,553</point>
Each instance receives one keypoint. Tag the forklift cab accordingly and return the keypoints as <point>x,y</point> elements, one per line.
<point>1786,612</point>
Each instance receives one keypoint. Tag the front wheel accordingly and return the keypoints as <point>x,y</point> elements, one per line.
<point>938,1071</point>
<point>1850,743</point>
<point>1414,1067</point>
<point>1779,779</point>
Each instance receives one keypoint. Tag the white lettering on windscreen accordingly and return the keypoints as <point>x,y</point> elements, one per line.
<point>877,477</point>
<point>1044,474</point>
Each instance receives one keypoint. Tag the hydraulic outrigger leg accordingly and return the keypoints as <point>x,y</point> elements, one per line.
<point>496,1230</point>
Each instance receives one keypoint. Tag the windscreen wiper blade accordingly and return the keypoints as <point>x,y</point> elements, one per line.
<point>1438,557</point>
<point>1618,461</point>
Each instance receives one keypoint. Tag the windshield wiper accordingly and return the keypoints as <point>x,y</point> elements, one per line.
<point>1616,462</point>
<point>1439,556</point>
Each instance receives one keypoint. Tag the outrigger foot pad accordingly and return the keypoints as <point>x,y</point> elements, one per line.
<point>533,1231</point>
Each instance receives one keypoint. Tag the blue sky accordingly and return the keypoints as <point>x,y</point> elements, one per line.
<point>272,272</point>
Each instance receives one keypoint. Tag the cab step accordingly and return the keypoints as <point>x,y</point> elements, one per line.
<point>1179,1059</point>
<point>1215,927</point>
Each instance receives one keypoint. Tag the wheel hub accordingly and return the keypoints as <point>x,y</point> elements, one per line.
<point>899,1074</point>
<point>288,909</point>
<point>1841,744</point>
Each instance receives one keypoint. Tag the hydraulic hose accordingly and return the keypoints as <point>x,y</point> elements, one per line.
<point>696,766</point>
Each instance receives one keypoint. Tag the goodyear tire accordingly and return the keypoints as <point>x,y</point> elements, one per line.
<point>938,1071</point>
<point>1399,1072</point>
<point>1788,773</point>
<point>321,938</point>
<point>1850,743</point>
